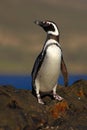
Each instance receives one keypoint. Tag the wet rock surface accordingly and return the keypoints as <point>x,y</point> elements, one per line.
<point>19,109</point>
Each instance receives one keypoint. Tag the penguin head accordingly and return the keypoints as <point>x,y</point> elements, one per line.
<point>49,27</point>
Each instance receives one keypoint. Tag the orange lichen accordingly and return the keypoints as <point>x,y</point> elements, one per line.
<point>59,109</point>
<point>80,93</point>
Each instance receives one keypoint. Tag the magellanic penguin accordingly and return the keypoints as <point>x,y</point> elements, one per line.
<point>48,64</point>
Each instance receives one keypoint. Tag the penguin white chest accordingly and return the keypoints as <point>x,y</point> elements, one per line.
<point>49,72</point>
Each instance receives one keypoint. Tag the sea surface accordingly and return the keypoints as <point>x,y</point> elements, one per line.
<point>24,81</point>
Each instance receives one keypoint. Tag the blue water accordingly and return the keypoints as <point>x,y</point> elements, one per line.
<point>24,81</point>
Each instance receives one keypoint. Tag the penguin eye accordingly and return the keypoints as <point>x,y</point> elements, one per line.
<point>48,23</point>
<point>44,22</point>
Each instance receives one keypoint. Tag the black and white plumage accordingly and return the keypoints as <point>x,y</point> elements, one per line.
<point>48,64</point>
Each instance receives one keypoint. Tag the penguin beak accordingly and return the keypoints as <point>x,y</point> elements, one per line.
<point>38,22</point>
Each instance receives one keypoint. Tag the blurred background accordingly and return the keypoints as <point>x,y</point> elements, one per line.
<point>21,40</point>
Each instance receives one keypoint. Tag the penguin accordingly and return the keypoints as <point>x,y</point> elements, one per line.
<point>49,63</point>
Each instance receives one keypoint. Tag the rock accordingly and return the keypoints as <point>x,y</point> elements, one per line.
<point>19,109</point>
<point>4,128</point>
<point>59,109</point>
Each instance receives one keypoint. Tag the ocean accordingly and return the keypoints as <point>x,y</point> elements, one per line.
<point>24,81</point>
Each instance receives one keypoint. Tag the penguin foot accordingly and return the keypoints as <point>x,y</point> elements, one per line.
<point>57,97</point>
<point>40,101</point>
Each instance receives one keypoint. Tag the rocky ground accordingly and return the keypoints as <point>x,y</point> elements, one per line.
<point>19,109</point>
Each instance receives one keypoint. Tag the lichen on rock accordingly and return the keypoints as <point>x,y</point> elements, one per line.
<point>19,109</point>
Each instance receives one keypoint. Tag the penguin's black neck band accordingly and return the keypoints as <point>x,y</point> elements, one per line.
<point>50,36</point>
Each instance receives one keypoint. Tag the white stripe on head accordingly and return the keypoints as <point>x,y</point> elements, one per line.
<point>56,32</point>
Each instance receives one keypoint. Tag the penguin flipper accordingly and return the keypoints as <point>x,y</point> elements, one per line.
<point>36,68</point>
<point>64,72</point>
